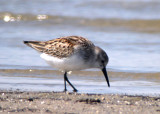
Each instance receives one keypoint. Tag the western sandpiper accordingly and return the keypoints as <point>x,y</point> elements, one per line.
<point>71,53</point>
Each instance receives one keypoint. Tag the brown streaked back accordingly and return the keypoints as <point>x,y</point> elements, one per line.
<point>60,47</point>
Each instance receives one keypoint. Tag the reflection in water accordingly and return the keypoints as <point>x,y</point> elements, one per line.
<point>10,18</point>
<point>42,17</point>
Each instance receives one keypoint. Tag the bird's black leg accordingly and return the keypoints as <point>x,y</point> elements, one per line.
<point>65,89</point>
<point>66,79</point>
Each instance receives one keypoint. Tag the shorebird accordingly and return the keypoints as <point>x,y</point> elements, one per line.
<point>71,53</point>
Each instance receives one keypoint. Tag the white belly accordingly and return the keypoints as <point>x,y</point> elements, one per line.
<point>65,64</point>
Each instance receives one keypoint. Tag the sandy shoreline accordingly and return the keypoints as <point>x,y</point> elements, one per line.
<point>59,102</point>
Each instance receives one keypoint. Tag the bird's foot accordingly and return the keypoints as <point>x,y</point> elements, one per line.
<point>64,90</point>
<point>75,90</point>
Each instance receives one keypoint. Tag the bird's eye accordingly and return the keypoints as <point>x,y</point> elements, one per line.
<point>102,61</point>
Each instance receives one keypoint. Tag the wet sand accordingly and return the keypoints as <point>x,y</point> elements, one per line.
<point>60,102</point>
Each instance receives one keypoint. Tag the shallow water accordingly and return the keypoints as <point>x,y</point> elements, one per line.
<point>41,79</point>
<point>128,30</point>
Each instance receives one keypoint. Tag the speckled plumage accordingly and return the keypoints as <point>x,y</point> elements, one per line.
<point>71,53</point>
<point>63,47</point>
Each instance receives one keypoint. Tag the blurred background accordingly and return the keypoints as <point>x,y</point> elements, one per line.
<point>128,30</point>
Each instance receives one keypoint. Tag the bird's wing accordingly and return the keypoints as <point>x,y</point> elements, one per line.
<point>60,47</point>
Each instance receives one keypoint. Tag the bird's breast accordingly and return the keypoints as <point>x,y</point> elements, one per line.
<point>71,63</point>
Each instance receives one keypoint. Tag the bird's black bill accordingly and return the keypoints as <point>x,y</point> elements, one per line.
<point>106,75</point>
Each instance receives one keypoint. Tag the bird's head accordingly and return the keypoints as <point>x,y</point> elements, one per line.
<point>101,61</point>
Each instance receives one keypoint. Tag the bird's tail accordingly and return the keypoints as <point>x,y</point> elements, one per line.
<point>37,45</point>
